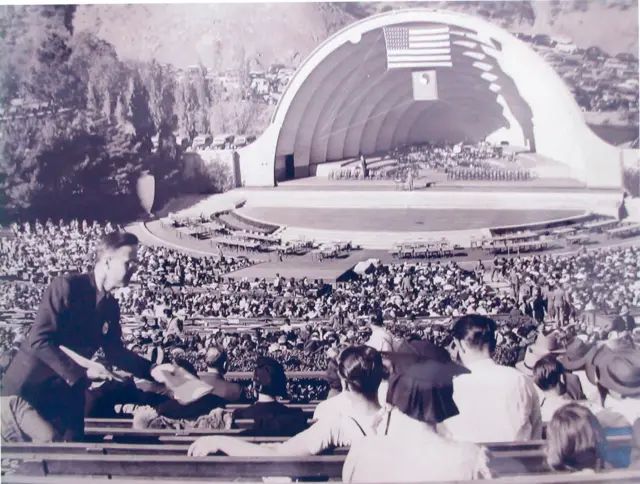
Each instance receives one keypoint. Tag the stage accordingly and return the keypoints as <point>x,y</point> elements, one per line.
<point>375,215</point>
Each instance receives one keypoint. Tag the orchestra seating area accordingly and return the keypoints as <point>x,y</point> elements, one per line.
<point>578,231</point>
<point>229,230</point>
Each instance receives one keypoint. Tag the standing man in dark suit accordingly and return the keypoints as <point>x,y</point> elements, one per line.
<point>44,384</point>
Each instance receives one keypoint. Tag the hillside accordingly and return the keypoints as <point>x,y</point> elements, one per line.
<point>218,36</point>
<point>222,35</point>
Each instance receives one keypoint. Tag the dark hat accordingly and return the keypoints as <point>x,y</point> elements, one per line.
<point>577,354</point>
<point>617,369</point>
<point>412,352</point>
<point>269,375</point>
<point>424,391</point>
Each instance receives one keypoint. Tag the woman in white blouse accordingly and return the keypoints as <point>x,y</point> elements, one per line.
<point>408,447</point>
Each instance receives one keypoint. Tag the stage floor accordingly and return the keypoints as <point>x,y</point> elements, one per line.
<point>379,219</point>
<point>400,220</point>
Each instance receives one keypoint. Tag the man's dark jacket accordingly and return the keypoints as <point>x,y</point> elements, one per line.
<point>72,315</point>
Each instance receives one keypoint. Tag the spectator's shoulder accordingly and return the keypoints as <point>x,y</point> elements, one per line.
<point>60,286</point>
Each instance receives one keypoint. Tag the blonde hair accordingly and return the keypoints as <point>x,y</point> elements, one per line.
<point>575,439</point>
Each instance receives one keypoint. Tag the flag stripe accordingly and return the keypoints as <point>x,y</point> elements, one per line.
<point>435,43</point>
<point>425,45</point>
<point>409,58</point>
<point>421,52</point>
<point>421,31</point>
<point>474,55</point>
<point>464,43</point>
<point>429,37</point>
<point>482,66</point>
<point>420,64</point>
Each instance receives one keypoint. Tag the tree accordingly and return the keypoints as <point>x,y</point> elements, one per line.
<point>34,55</point>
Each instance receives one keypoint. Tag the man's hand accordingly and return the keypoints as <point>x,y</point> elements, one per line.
<point>98,372</point>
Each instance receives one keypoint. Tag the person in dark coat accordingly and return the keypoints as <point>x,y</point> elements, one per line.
<point>271,418</point>
<point>78,313</point>
<point>539,307</point>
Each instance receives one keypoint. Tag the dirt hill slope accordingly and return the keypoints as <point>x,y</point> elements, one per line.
<point>221,35</point>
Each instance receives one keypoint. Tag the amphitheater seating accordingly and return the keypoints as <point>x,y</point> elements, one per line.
<point>624,230</point>
<point>578,239</point>
<point>600,225</point>
<point>234,221</point>
<point>170,461</point>
<point>544,227</point>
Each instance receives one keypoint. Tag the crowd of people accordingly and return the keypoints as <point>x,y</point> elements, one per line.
<point>488,173</point>
<point>459,162</point>
<point>420,359</point>
<point>443,156</point>
<point>428,407</point>
<point>171,294</point>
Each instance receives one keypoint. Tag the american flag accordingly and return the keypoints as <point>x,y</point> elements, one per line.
<point>417,47</point>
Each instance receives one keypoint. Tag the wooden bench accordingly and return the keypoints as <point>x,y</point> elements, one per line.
<point>181,447</point>
<point>224,467</point>
<point>107,448</point>
<point>127,423</point>
<point>622,477</point>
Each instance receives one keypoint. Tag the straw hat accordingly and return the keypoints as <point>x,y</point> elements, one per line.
<point>542,346</point>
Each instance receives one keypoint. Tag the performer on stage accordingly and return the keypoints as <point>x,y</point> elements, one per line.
<point>43,391</point>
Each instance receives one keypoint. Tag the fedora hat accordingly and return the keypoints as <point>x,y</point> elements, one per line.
<point>617,370</point>
<point>576,355</point>
<point>543,345</point>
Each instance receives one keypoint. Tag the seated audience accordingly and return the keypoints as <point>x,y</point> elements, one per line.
<point>615,369</point>
<point>548,375</point>
<point>381,339</point>
<point>635,450</point>
<point>545,345</point>
<point>575,440</point>
<point>216,359</point>
<point>408,447</point>
<point>496,403</point>
<point>354,415</point>
<point>271,418</point>
<point>408,353</point>
<point>191,397</point>
<point>574,360</point>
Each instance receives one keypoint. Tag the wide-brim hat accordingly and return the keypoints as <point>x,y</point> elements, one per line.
<point>424,391</point>
<point>412,352</point>
<point>616,369</point>
<point>542,346</point>
<point>577,354</point>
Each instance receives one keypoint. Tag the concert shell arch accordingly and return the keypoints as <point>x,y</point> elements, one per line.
<point>342,101</point>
